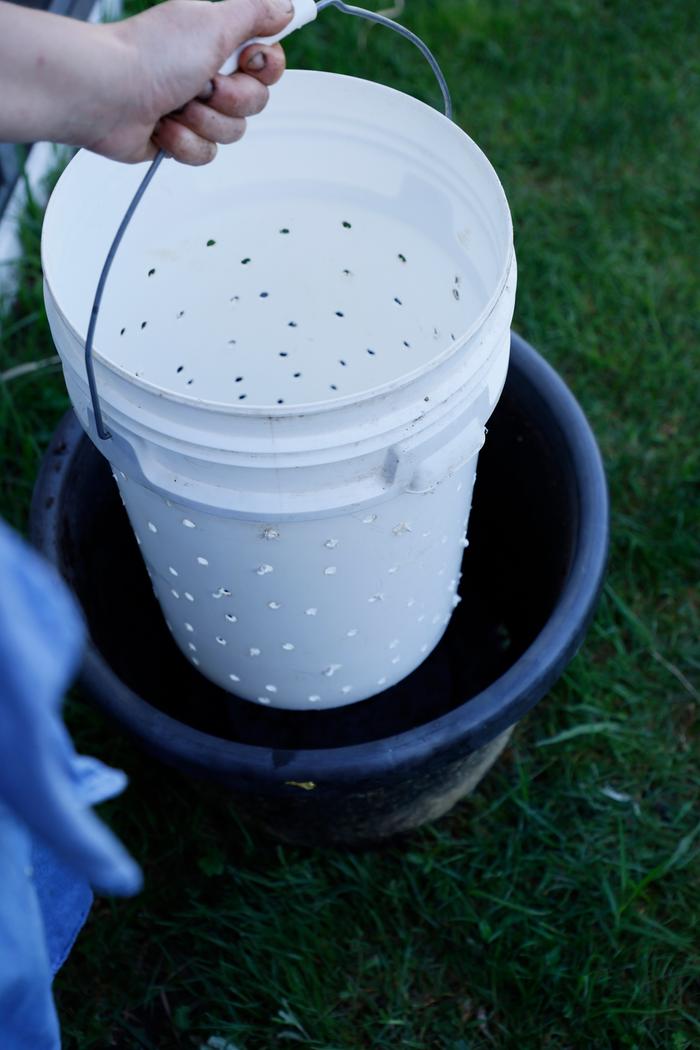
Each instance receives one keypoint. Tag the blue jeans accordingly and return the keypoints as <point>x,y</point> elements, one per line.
<point>52,846</point>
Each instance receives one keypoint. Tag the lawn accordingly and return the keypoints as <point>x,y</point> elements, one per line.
<point>559,907</point>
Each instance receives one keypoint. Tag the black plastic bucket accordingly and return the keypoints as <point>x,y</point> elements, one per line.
<point>357,774</point>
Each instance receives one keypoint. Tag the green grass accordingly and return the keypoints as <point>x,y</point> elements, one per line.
<point>542,913</point>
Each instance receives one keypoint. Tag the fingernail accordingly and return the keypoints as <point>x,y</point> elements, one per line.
<point>284,6</point>
<point>206,93</point>
<point>257,62</point>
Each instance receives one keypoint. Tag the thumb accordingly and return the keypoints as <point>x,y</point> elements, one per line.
<point>242,19</point>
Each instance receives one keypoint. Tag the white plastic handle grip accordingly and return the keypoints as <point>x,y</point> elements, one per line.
<point>304,12</point>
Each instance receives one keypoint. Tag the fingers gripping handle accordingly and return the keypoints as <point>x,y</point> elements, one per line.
<point>304,12</point>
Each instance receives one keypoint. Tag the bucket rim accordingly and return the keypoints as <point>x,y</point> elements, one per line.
<point>391,386</point>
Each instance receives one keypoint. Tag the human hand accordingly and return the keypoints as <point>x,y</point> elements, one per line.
<point>126,89</point>
<point>173,98</point>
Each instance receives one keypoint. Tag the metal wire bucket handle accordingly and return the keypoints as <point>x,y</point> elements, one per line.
<point>358,12</point>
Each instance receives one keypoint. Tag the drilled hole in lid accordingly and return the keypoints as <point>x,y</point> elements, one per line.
<point>339,313</point>
<point>297,375</point>
<point>151,271</point>
<point>239,379</point>
<point>234,299</point>
<point>244,262</point>
<point>232,342</point>
<point>292,324</point>
<point>264,295</point>
<point>406,343</point>
<point>343,363</point>
<point>348,273</point>
<point>283,353</point>
<point>397,300</point>
<point>402,257</point>
<point>180,314</point>
<point>179,368</point>
<point>190,382</point>
<point>242,397</point>
<point>210,242</point>
<point>347,225</point>
<point>143,324</point>
<point>284,230</point>
<point>455,292</point>
<point>280,400</point>
<point>333,386</point>
<point>372,353</point>
<point>122,331</point>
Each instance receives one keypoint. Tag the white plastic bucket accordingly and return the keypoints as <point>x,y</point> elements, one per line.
<point>298,350</point>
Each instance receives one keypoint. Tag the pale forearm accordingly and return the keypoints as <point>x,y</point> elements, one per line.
<point>59,77</point>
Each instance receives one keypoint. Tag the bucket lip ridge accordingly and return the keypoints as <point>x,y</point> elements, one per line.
<point>472,723</point>
<point>406,379</point>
